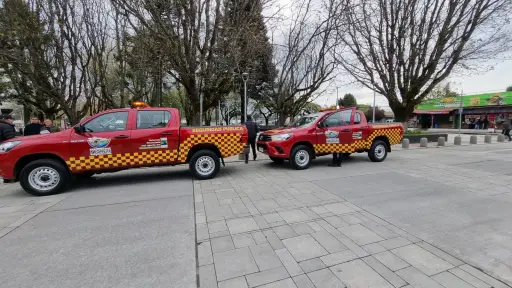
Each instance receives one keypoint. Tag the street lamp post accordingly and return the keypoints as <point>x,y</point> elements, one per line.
<point>245,77</point>
<point>373,117</point>
<point>460,111</point>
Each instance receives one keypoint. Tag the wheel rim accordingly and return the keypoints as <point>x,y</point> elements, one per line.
<point>302,158</point>
<point>205,165</point>
<point>44,178</point>
<point>380,151</point>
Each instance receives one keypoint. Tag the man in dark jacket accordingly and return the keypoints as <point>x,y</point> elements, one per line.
<point>253,130</point>
<point>34,128</point>
<point>6,128</point>
<point>506,128</point>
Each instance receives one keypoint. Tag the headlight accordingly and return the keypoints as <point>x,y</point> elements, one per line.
<point>281,137</point>
<point>6,147</point>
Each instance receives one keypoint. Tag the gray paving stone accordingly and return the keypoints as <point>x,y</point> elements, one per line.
<point>441,254</point>
<point>329,242</point>
<point>328,227</point>
<point>259,237</point>
<point>243,240</point>
<point>272,238</point>
<point>265,277</point>
<point>275,224</point>
<point>395,243</point>
<point>360,252</point>
<point>284,232</point>
<point>239,208</point>
<point>404,234</point>
<point>204,251</point>
<point>266,205</point>
<point>325,278</point>
<point>319,210</point>
<point>302,228</point>
<point>315,226</point>
<point>374,248</point>
<point>336,221</point>
<point>312,265</point>
<point>202,232</point>
<point>289,263</point>
<point>234,263</point>
<point>312,215</point>
<point>391,261</point>
<point>302,281</point>
<point>293,216</point>
<point>339,257</point>
<point>417,279</point>
<point>380,230</point>
<point>339,208</point>
<point>207,277</point>
<point>261,222</point>
<point>273,217</point>
<point>358,274</point>
<point>351,219</point>
<point>423,260</point>
<point>482,276</point>
<point>222,244</point>
<point>468,278</point>
<point>304,247</point>
<point>286,283</point>
<point>384,272</point>
<point>449,280</point>
<point>234,283</point>
<point>242,225</point>
<point>265,257</point>
<point>226,201</point>
<point>219,234</point>
<point>360,234</point>
<point>214,227</point>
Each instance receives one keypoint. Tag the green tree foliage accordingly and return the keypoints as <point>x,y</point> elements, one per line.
<point>349,100</point>
<point>379,114</point>
<point>509,89</point>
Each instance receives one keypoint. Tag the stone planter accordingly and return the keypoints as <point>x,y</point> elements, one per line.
<point>415,139</point>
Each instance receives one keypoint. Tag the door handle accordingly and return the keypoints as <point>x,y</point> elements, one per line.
<point>346,130</point>
<point>166,133</point>
<point>121,137</point>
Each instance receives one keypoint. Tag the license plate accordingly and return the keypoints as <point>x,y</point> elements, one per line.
<point>261,149</point>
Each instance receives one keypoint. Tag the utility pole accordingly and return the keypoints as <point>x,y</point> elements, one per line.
<point>460,111</point>
<point>201,109</point>
<point>373,117</point>
<point>245,77</point>
<point>337,99</point>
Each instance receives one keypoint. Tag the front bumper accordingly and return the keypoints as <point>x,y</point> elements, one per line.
<point>272,149</point>
<point>6,167</point>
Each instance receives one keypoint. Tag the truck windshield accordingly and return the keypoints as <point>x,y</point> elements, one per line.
<point>306,120</point>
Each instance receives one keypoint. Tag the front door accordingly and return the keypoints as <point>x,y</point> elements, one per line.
<point>336,133</point>
<point>103,145</point>
<point>154,138</point>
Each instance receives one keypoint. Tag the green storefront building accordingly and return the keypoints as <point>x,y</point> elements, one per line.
<point>478,111</point>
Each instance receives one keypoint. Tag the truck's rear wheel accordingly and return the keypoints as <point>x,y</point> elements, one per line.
<point>277,160</point>
<point>379,151</point>
<point>44,177</point>
<point>205,164</point>
<point>301,157</point>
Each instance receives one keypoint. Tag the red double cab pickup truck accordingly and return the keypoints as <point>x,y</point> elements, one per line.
<point>343,131</point>
<point>116,140</point>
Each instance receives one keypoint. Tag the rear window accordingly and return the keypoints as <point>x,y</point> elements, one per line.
<point>153,119</point>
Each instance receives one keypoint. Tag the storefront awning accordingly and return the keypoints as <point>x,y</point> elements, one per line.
<point>437,111</point>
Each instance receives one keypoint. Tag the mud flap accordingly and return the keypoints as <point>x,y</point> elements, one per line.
<point>223,164</point>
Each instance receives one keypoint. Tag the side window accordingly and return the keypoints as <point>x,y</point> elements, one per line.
<point>152,119</point>
<point>345,117</point>
<point>357,118</point>
<point>110,122</point>
<point>339,119</point>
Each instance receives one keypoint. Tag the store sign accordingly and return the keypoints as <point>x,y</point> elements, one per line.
<point>481,100</point>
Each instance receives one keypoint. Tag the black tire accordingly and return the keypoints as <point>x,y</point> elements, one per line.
<point>277,160</point>
<point>47,168</point>
<point>297,152</point>
<point>379,151</point>
<point>207,157</point>
<point>346,154</point>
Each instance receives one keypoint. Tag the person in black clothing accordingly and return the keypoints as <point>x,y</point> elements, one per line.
<point>253,130</point>
<point>506,129</point>
<point>7,130</point>
<point>34,128</point>
<point>336,160</point>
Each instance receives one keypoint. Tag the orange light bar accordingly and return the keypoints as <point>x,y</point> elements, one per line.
<point>139,104</point>
<point>330,109</point>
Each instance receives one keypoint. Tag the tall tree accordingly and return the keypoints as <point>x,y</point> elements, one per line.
<point>379,114</point>
<point>509,89</point>
<point>349,100</point>
<point>442,91</point>
<point>402,49</point>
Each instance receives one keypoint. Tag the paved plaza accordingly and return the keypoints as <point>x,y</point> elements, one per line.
<point>436,217</point>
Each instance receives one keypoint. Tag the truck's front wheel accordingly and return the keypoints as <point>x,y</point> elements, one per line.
<point>44,177</point>
<point>205,164</point>
<point>301,157</point>
<point>378,151</point>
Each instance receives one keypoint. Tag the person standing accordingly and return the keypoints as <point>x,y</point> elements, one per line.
<point>48,126</point>
<point>34,128</point>
<point>336,160</point>
<point>7,130</point>
<point>506,128</point>
<point>253,130</point>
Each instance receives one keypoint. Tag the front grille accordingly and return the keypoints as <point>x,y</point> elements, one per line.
<point>265,137</point>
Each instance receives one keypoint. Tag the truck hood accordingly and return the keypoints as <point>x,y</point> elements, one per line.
<point>282,130</point>
<point>39,136</point>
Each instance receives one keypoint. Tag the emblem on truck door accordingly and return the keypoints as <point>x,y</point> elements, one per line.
<point>332,137</point>
<point>99,146</point>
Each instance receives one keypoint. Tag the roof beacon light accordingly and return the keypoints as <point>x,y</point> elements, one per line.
<point>139,104</point>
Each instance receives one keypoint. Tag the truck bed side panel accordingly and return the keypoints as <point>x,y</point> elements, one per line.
<point>226,139</point>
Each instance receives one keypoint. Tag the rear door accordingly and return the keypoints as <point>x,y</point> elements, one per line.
<point>360,130</point>
<point>155,137</point>
<point>103,144</point>
<point>336,135</point>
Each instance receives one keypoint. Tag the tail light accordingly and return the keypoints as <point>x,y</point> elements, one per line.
<point>245,136</point>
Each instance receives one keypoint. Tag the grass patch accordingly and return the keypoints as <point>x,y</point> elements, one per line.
<point>416,132</point>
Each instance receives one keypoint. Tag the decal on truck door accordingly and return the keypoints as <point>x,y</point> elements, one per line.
<point>99,146</point>
<point>332,137</point>
<point>155,144</point>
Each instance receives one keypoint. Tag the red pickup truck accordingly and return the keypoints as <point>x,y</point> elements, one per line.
<point>116,140</point>
<point>342,131</point>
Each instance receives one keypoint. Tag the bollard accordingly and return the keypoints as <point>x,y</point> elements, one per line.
<point>405,143</point>
<point>441,141</point>
<point>424,142</point>
<point>488,139</point>
<point>457,140</point>
<point>501,138</point>
<point>473,139</point>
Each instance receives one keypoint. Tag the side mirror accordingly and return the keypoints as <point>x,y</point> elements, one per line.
<point>79,129</point>
<point>320,125</point>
